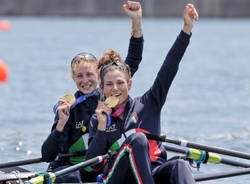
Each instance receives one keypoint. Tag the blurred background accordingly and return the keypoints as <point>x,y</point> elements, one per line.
<point>211,8</point>
<point>209,100</point>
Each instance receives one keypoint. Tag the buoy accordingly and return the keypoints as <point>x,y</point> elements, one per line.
<point>3,72</point>
<point>5,25</point>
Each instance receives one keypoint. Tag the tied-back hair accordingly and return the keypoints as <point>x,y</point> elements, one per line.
<point>105,63</point>
<point>109,56</point>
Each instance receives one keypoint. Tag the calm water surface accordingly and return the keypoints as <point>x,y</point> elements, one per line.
<point>209,101</point>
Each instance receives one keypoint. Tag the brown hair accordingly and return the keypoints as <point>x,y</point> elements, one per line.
<point>111,56</point>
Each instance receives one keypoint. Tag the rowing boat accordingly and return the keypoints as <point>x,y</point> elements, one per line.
<point>14,174</point>
<point>199,156</point>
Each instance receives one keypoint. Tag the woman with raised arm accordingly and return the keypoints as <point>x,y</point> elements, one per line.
<point>70,131</point>
<point>123,121</point>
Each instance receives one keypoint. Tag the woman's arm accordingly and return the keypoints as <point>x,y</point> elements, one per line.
<point>98,139</point>
<point>53,145</point>
<point>98,144</point>
<point>134,57</point>
<point>158,92</point>
<point>189,16</point>
<point>134,11</point>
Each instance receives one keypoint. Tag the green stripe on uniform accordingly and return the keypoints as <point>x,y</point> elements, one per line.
<point>118,158</point>
<point>80,145</point>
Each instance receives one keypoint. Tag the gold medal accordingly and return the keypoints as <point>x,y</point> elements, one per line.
<point>70,98</point>
<point>112,101</point>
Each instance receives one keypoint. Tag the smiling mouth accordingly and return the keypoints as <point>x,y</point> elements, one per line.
<point>116,95</point>
<point>85,87</point>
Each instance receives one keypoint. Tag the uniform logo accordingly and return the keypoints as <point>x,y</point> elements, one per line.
<point>112,128</point>
<point>80,124</point>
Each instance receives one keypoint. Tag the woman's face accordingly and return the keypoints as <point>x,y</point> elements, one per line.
<point>116,83</point>
<point>85,76</point>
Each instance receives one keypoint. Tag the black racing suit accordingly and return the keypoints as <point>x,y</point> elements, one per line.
<point>74,136</point>
<point>139,158</point>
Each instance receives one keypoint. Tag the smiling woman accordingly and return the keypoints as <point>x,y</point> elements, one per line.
<point>121,128</point>
<point>118,79</point>
<point>85,72</point>
<point>71,125</point>
<point>117,84</point>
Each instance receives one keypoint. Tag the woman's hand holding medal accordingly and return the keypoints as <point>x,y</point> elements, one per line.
<point>103,110</point>
<point>64,110</point>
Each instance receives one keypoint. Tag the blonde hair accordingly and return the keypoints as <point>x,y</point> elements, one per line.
<point>82,57</point>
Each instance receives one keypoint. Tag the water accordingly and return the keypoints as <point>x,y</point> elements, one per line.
<point>208,102</point>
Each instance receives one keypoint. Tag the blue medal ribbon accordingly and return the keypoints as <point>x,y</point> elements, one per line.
<point>109,120</point>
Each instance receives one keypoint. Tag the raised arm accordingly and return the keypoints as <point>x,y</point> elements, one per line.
<point>158,92</point>
<point>190,15</point>
<point>134,11</point>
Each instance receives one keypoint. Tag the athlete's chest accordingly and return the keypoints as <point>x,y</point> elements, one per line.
<point>80,116</point>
